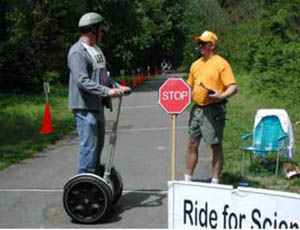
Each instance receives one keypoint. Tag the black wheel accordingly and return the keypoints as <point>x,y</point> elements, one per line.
<point>87,198</point>
<point>118,184</point>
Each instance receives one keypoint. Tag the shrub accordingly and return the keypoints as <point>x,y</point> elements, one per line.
<point>20,72</point>
<point>51,77</point>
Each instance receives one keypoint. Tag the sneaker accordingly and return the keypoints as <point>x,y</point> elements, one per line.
<point>215,181</point>
<point>187,177</point>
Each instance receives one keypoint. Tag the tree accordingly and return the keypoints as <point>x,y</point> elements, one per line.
<point>3,21</point>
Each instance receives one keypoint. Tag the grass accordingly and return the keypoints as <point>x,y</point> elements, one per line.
<point>21,120</point>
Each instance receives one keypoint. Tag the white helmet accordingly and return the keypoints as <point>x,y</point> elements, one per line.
<point>90,19</point>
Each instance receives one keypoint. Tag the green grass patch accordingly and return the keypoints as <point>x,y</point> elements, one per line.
<point>21,120</point>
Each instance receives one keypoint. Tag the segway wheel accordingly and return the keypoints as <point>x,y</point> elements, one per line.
<point>117,182</point>
<point>118,185</point>
<point>87,198</point>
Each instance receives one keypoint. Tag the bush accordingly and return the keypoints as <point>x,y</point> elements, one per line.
<point>19,72</point>
<point>51,77</point>
<point>270,50</point>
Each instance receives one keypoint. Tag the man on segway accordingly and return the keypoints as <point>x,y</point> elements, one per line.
<point>89,89</point>
<point>89,195</point>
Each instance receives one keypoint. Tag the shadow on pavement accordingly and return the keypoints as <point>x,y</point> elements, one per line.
<point>132,200</point>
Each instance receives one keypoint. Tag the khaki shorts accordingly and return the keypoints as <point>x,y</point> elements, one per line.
<point>208,123</point>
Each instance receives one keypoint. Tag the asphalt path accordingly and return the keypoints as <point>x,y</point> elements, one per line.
<point>31,191</point>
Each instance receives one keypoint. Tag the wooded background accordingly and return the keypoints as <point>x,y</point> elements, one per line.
<point>260,37</point>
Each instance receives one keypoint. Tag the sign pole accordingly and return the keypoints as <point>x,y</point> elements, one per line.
<point>173,155</point>
<point>47,90</point>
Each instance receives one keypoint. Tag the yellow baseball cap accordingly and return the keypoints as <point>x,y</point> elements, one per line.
<point>207,36</point>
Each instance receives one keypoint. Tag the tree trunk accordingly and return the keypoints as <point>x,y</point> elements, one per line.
<point>90,5</point>
<point>3,22</point>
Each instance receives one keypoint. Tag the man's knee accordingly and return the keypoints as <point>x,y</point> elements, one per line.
<point>193,145</point>
<point>216,148</point>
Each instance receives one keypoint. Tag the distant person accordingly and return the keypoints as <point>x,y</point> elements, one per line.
<point>164,65</point>
<point>89,88</point>
<point>212,82</point>
<point>169,65</point>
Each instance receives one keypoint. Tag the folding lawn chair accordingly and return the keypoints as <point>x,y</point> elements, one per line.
<point>269,136</point>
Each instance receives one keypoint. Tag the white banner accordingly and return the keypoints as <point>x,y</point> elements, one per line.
<point>193,205</point>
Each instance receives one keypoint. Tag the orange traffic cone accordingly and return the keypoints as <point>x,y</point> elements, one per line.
<point>148,75</point>
<point>156,71</point>
<point>133,81</point>
<point>123,81</point>
<point>47,123</point>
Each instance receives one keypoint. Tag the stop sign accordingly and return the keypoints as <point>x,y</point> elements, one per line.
<point>174,95</point>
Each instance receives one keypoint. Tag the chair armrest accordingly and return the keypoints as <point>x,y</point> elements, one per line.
<point>282,137</point>
<point>281,141</point>
<point>246,136</point>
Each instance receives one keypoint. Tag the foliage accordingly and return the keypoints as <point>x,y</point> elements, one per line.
<point>37,32</point>
<point>19,71</point>
<point>200,16</point>
<point>51,77</point>
<point>261,37</point>
<point>272,52</point>
<point>141,35</point>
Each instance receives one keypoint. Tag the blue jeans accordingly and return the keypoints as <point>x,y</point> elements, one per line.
<point>91,131</point>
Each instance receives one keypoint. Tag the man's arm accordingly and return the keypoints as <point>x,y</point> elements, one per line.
<point>230,90</point>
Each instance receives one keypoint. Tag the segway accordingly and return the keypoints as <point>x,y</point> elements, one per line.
<point>88,197</point>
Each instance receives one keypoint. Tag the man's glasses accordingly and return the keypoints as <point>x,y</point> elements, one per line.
<point>201,44</point>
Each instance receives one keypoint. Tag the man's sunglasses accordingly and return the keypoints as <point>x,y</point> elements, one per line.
<point>201,44</point>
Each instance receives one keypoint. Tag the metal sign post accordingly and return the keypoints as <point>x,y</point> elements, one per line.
<point>47,90</point>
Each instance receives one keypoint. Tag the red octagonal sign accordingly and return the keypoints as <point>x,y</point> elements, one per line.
<point>174,95</point>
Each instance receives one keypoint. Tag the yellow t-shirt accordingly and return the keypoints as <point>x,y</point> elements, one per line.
<point>215,73</point>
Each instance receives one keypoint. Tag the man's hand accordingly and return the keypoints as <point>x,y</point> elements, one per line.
<point>118,92</point>
<point>115,92</point>
<point>216,97</point>
<point>126,90</point>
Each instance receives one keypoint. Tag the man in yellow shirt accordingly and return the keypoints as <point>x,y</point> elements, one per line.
<point>212,82</point>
